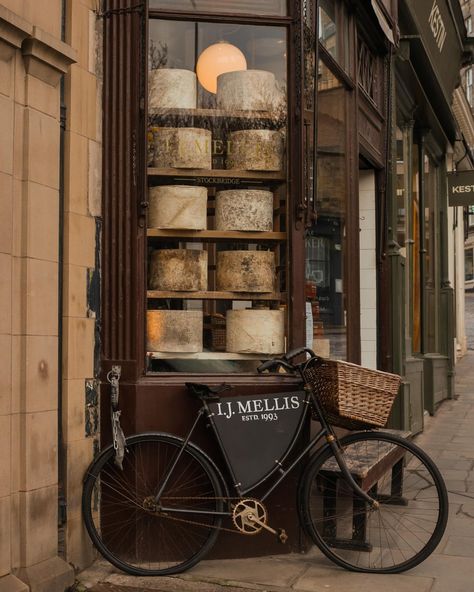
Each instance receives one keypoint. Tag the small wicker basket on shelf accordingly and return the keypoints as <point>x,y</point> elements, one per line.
<point>214,332</point>
<point>353,397</point>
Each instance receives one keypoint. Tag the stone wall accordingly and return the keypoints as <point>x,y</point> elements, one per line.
<point>33,60</point>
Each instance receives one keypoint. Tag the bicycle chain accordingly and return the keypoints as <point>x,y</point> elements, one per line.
<point>223,528</point>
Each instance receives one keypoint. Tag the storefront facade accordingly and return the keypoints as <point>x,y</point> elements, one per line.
<point>423,229</point>
<point>211,296</point>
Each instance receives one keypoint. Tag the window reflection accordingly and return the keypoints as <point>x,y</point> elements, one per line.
<point>179,44</point>
<point>325,245</point>
<point>416,297</point>
<point>431,247</point>
<point>328,27</point>
<point>207,137</point>
<point>274,7</point>
<point>401,192</point>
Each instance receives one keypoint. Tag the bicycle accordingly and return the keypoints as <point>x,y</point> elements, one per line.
<point>371,501</point>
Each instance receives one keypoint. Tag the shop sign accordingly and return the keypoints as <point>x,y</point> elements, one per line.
<point>257,430</point>
<point>461,188</point>
<point>440,39</point>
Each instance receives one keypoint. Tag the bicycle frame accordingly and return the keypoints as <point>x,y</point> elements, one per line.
<point>325,431</point>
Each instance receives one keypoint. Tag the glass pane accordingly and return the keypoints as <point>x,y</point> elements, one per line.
<point>224,47</point>
<point>401,192</point>
<point>328,34</point>
<point>469,265</point>
<point>217,102</point>
<point>431,259</point>
<point>273,7</point>
<point>416,295</point>
<point>325,245</point>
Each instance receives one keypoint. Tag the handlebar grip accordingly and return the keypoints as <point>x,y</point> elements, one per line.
<point>298,351</point>
<point>268,365</point>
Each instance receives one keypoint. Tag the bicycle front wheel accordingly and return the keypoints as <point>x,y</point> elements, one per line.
<point>127,526</point>
<point>412,512</point>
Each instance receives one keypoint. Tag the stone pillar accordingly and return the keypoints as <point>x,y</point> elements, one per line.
<point>82,211</point>
<point>32,63</point>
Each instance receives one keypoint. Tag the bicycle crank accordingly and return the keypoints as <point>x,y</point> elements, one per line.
<point>250,517</point>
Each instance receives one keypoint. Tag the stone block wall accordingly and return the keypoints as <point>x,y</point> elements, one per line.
<point>82,213</point>
<point>33,61</point>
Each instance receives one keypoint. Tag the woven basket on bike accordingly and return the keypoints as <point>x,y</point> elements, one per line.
<point>352,397</point>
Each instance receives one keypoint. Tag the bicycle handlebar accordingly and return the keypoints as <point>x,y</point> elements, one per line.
<point>285,360</point>
<point>297,352</point>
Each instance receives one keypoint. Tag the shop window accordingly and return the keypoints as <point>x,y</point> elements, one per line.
<point>469,86</point>
<point>469,265</point>
<point>333,32</point>
<point>217,176</point>
<point>262,7</point>
<point>416,252</point>
<point>471,216</point>
<point>468,23</point>
<point>328,34</point>
<point>325,245</point>
<point>431,262</point>
<point>401,192</point>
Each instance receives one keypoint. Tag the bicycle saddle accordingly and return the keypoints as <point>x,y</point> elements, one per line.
<point>206,392</point>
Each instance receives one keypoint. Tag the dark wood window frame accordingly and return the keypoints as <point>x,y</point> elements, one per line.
<point>125,201</point>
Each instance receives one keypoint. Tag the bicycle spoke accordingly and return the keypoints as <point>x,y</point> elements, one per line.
<point>406,525</point>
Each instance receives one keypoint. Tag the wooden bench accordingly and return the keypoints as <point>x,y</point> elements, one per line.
<point>367,468</point>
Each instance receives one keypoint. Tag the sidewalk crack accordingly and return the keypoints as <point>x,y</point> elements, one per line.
<point>464,513</point>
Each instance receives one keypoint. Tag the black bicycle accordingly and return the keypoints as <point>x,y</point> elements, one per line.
<point>371,501</point>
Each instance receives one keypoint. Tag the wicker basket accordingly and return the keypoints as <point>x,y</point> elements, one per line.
<point>353,397</point>
<point>214,332</point>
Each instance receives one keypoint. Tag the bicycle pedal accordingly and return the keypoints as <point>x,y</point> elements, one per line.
<point>282,536</point>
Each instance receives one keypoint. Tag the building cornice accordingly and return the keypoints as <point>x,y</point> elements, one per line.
<point>13,31</point>
<point>45,56</point>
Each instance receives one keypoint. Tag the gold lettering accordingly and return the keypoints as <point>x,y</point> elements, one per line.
<point>218,147</point>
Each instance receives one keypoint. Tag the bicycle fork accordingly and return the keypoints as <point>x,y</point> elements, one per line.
<point>338,455</point>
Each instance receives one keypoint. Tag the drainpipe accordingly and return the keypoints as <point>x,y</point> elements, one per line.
<point>61,448</point>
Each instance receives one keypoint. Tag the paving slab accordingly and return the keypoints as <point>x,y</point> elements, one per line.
<point>266,571</point>
<point>342,581</point>
<point>459,546</point>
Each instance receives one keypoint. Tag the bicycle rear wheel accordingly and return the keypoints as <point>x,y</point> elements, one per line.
<point>122,518</point>
<point>413,504</point>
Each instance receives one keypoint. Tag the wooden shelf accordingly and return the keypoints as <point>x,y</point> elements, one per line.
<point>207,356</point>
<point>218,175</point>
<point>217,235</point>
<point>218,114</point>
<point>208,295</point>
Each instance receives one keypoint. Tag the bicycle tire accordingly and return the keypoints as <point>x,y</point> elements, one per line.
<point>391,539</point>
<point>119,514</point>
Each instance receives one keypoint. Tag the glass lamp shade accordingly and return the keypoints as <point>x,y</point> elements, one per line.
<point>217,59</point>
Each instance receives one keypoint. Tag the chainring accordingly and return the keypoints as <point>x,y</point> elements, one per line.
<point>244,515</point>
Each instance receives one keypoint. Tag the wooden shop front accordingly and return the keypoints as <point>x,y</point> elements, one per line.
<point>231,219</point>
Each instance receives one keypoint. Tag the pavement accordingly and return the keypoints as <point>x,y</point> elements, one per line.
<point>448,438</point>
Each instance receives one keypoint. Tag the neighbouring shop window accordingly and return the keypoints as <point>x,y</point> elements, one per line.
<point>333,31</point>
<point>469,265</point>
<point>416,252</point>
<point>469,85</point>
<point>263,7</point>
<point>431,222</point>
<point>325,244</point>
<point>217,176</point>
<point>401,191</point>
<point>328,33</point>
<point>468,22</point>
<point>471,216</point>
